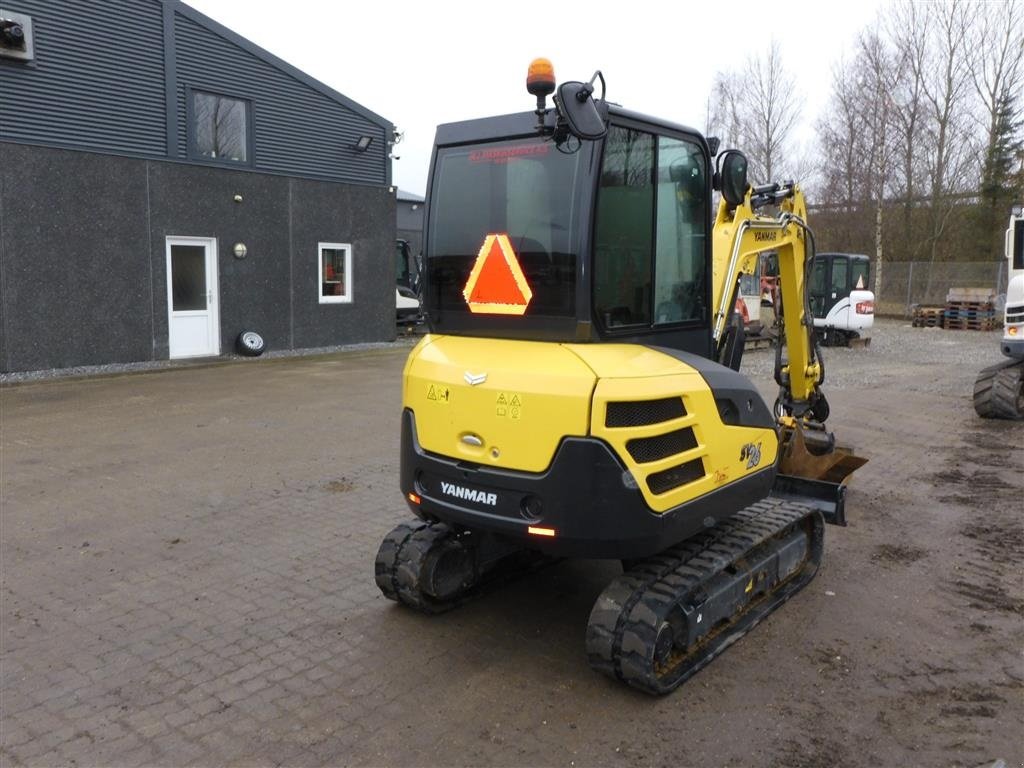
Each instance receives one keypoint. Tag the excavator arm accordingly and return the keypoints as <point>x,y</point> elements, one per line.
<point>811,464</point>
<point>741,234</point>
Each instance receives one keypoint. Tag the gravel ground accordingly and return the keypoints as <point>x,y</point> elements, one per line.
<point>896,343</point>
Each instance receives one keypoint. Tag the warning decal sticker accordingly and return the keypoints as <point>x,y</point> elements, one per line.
<point>497,285</point>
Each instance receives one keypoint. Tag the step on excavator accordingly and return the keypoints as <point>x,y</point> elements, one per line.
<point>578,393</point>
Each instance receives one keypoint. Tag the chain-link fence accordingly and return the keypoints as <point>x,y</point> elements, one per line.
<point>909,283</point>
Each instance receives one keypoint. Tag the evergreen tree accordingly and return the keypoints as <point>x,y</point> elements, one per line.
<point>1002,184</point>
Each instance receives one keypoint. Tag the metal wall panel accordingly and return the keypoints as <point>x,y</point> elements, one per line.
<point>297,130</point>
<point>97,81</point>
<point>86,283</point>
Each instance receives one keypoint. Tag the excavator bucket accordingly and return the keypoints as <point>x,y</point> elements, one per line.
<point>813,470</point>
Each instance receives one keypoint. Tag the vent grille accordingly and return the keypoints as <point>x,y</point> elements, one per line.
<point>644,412</point>
<point>1015,314</point>
<point>647,449</point>
<point>666,480</point>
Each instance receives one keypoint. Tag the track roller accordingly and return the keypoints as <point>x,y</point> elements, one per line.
<point>663,620</point>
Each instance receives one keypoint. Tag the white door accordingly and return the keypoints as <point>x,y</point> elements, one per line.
<point>193,321</point>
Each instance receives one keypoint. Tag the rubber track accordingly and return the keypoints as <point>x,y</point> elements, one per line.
<point>624,622</point>
<point>404,551</point>
<point>400,561</point>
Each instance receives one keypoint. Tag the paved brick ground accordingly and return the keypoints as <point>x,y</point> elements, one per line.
<point>187,578</point>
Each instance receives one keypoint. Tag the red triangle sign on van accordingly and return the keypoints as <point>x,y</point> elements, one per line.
<point>497,285</point>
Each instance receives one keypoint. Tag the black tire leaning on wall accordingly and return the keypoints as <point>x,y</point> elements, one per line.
<point>250,344</point>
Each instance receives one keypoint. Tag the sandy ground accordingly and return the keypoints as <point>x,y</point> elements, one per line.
<point>187,578</point>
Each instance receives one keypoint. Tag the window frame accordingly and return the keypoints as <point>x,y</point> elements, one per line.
<point>193,148</point>
<point>346,297</point>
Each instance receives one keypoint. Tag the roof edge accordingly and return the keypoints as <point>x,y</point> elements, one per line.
<point>231,36</point>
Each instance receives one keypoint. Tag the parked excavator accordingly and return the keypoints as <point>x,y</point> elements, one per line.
<point>999,389</point>
<point>579,394</point>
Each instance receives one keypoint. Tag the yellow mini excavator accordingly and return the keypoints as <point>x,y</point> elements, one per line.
<point>578,394</point>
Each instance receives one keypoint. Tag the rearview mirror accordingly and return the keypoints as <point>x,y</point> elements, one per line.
<point>732,176</point>
<point>576,106</point>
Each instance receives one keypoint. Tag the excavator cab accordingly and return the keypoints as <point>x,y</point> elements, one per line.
<point>596,240</point>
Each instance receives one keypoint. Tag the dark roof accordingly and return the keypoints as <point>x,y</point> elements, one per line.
<point>219,29</point>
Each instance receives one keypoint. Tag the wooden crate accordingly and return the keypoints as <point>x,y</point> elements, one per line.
<point>928,317</point>
<point>970,309</point>
<point>985,324</point>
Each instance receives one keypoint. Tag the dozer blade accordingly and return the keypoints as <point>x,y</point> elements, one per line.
<point>815,477</point>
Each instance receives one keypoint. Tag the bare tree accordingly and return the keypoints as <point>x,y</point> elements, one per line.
<point>756,109</point>
<point>952,152</point>
<point>996,57</point>
<point>908,30</point>
<point>878,75</point>
<point>723,119</point>
<point>996,61</point>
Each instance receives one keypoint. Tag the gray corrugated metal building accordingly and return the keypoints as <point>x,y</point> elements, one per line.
<point>165,184</point>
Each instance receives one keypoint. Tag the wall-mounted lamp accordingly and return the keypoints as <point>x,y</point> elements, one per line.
<point>240,250</point>
<point>364,143</point>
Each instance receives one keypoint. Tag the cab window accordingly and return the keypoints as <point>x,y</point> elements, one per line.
<point>679,270</point>
<point>859,269</point>
<point>818,276</point>
<point>650,232</point>
<point>840,276</point>
<point>623,237</point>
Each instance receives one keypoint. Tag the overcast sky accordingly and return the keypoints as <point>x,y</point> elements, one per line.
<point>423,63</point>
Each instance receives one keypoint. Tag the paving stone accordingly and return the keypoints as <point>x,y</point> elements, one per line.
<point>225,612</point>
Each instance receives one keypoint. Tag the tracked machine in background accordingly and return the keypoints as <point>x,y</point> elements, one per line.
<point>999,389</point>
<point>578,394</point>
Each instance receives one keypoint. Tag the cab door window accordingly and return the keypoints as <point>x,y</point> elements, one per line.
<point>679,265</point>
<point>650,232</point>
<point>818,283</point>
<point>623,237</point>
<point>840,277</point>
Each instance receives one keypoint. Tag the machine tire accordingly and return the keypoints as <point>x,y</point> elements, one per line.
<point>999,392</point>
<point>250,344</point>
<point>1008,392</point>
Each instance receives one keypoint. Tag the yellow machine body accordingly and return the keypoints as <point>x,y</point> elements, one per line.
<point>509,404</point>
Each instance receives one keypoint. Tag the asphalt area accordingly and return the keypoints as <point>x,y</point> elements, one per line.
<point>187,578</point>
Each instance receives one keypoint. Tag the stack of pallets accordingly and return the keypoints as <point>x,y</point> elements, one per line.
<point>970,309</point>
<point>928,317</point>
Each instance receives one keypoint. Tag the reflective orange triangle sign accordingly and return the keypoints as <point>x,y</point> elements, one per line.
<point>497,286</point>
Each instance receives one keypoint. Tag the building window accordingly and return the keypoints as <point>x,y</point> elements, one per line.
<point>220,127</point>
<point>335,273</point>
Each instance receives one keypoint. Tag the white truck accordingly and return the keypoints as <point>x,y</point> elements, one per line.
<point>999,389</point>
